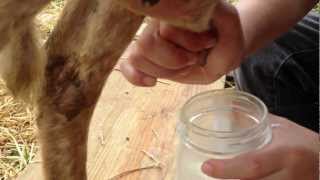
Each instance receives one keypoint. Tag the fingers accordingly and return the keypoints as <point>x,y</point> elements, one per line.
<point>248,166</point>
<point>136,77</point>
<point>169,53</point>
<point>146,66</point>
<point>162,52</point>
<point>191,41</point>
<point>229,49</point>
<point>280,175</point>
<point>195,75</point>
<point>138,63</point>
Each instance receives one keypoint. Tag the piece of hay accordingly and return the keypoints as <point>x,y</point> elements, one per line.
<point>152,157</point>
<point>156,134</point>
<point>18,143</point>
<point>125,173</point>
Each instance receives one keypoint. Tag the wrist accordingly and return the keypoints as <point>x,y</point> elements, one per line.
<point>227,23</point>
<point>248,30</point>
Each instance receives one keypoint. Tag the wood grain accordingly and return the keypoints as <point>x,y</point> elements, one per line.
<point>125,122</point>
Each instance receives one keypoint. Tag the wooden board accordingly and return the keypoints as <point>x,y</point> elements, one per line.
<point>129,120</point>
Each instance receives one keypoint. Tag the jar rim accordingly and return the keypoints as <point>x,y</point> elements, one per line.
<point>262,120</point>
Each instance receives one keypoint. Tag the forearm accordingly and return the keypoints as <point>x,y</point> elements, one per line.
<point>264,20</point>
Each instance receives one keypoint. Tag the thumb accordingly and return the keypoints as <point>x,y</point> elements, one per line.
<point>254,165</point>
<point>224,12</point>
<point>229,49</point>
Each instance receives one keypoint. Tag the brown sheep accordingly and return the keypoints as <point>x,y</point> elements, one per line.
<point>64,79</point>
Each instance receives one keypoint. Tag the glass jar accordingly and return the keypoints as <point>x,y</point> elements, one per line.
<point>219,124</point>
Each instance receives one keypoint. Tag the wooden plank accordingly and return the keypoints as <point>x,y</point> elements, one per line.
<point>131,119</point>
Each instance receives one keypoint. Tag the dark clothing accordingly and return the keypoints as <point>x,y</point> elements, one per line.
<point>285,74</point>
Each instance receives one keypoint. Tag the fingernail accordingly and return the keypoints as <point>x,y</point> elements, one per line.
<point>149,81</point>
<point>207,168</point>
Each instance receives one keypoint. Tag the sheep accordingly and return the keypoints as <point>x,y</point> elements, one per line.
<point>64,78</point>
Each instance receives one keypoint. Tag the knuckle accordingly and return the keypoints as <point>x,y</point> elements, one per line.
<point>192,45</point>
<point>142,44</point>
<point>297,154</point>
<point>184,40</point>
<point>146,42</point>
<point>127,69</point>
<point>133,59</point>
<point>134,79</point>
<point>198,42</point>
<point>176,57</point>
<point>180,59</point>
<point>157,36</point>
<point>256,168</point>
<point>167,32</point>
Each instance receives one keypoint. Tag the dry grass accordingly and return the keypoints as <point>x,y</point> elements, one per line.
<point>18,143</point>
<point>17,135</point>
<point>48,17</point>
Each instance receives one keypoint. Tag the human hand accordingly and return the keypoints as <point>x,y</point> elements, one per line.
<point>292,155</point>
<point>164,51</point>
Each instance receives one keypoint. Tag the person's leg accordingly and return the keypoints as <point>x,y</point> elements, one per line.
<point>285,74</point>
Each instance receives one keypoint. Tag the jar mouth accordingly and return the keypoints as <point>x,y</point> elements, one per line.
<point>187,121</point>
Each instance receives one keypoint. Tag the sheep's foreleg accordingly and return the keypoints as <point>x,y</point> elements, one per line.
<point>82,50</point>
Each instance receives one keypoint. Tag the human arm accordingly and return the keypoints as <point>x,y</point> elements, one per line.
<point>238,32</point>
<point>264,21</point>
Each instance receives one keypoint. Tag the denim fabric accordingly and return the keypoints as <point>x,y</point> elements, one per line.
<point>285,74</point>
